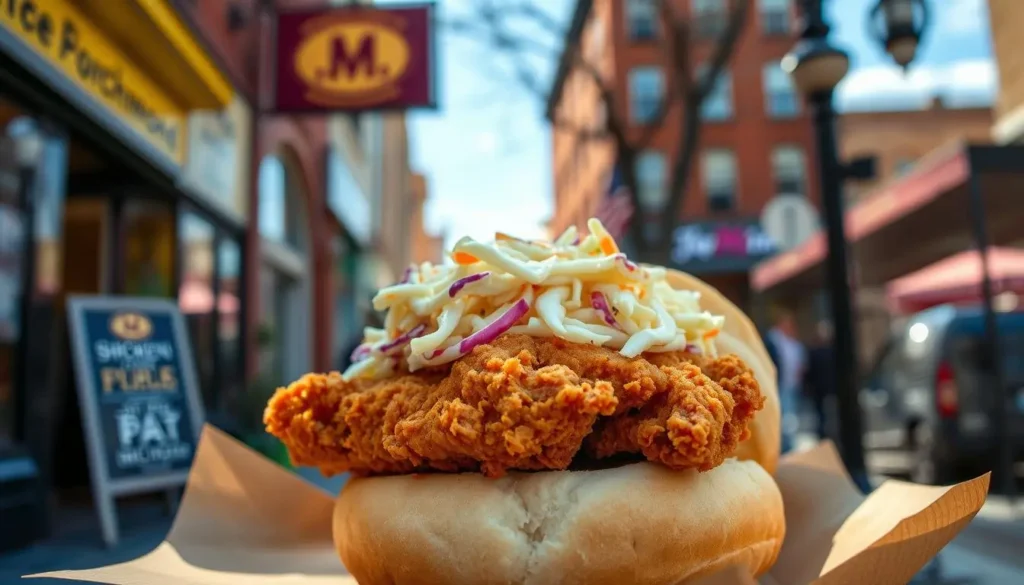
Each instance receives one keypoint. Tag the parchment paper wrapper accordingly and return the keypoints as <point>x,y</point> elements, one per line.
<point>244,519</point>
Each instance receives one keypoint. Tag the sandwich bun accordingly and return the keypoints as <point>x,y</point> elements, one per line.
<point>636,524</point>
<point>739,336</point>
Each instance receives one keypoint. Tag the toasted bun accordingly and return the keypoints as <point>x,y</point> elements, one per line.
<point>740,337</point>
<point>637,524</point>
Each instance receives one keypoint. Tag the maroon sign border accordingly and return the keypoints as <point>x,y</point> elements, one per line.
<point>432,62</point>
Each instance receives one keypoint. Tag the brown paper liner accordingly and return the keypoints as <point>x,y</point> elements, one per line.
<point>244,519</point>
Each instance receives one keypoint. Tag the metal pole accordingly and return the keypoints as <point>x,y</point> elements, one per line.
<point>26,179</point>
<point>831,176</point>
<point>1001,409</point>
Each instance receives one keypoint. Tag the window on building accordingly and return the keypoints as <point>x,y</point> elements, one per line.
<point>717,105</point>
<point>650,176</point>
<point>196,298</point>
<point>720,182</point>
<point>709,18</point>
<point>272,204</point>
<point>641,20</point>
<point>646,86</point>
<point>781,100</point>
<point>775,17</point>
<point>790,170</point>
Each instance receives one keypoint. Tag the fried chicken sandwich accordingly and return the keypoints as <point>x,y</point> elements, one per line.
<point>546,412</point>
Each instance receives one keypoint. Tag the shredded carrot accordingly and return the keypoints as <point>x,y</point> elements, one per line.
<point>711,333</point>
<point>502,237</point>
<point>608,246</point>
<point>464,259</point>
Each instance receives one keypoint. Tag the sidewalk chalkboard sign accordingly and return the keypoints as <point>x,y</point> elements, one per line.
<point>141,409</point>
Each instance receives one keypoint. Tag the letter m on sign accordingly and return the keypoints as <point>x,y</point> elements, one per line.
<point>364,57</point>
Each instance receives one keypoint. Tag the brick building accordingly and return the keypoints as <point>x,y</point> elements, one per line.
<point>159,171</point>
<point>1007,20</point>
<point>899,139</point>
<point>756,139</point>
<point>425,246</point>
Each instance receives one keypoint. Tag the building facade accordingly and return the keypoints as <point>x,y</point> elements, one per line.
<point>1007,18</point>
<point>426,247</point>
<point>899,139</point>
<point>756,137</point>
<point>138,157</point>
<point>128,145</point>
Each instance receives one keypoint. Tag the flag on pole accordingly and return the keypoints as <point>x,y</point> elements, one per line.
<point>616,207</point>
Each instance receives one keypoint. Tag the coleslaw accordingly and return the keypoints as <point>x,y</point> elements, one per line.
<point>580,289</point>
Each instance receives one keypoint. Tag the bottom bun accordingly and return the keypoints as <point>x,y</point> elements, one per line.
<point>640,523</point>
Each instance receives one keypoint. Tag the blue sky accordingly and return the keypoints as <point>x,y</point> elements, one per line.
<point>486,152</point>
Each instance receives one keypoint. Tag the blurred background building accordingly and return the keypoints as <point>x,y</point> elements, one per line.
<point>756,136</point>
<point>150,171</point>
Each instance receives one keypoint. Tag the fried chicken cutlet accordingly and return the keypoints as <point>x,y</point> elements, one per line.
<point>520,403</point>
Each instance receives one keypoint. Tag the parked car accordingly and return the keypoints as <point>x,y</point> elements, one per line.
<point>931,393</point>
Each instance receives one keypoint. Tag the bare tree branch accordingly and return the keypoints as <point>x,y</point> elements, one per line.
<point>691,121</point>
<point>494,23</point>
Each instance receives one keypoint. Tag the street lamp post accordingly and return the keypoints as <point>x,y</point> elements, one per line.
<point>817,67</point>
<point>28,149</point>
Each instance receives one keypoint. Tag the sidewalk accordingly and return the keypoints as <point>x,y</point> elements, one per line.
<point>78,545</point>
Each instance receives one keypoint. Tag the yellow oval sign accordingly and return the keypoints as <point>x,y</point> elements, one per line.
<point>352,58</point>
<point>131,326</point>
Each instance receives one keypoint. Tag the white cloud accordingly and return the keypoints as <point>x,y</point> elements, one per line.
<point>486,142</point>
<point>885,87</point>
<point>961,17</point>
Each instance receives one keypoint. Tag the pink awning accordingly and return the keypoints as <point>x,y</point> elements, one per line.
<point>957,279</point>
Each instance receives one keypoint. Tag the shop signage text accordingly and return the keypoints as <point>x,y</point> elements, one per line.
<point>732,246</point>
<point>141,411</point>
<point>218,157</point>
<point>355,58</point>
<point>68,41</point>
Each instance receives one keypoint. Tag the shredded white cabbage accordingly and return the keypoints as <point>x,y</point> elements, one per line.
<point>476,298</point>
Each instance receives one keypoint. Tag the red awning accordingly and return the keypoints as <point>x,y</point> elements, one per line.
<point>957,279</point>
<point>931,177</point>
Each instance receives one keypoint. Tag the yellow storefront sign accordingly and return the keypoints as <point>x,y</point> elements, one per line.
<point>64,37</point>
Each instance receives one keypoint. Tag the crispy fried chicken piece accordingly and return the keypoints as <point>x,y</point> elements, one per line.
<point>697,423</point>
<point>519,403</point>
<point>489,413</point>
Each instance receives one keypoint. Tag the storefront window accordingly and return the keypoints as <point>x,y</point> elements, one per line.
<point>284,331</point>
<point>195,297</point>
<point>272,199</point>
<point>229,269</point>
<point>149,242</point>
<point>280,217</point>
<point>11,247</point>
<point>348,323</point>
<point>32,161</point>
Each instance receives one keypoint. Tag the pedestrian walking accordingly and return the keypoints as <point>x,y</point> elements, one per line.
<point>819,378</point>
<point>790,359</point>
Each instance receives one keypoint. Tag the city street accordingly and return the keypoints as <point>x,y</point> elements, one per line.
<point>987,552</point>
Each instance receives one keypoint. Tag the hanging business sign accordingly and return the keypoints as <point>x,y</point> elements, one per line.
<point>356,58</point>
<point>720,246</point>
<point>137,390</point>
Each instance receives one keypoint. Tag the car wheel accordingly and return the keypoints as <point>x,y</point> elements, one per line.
<point>926,468</point>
